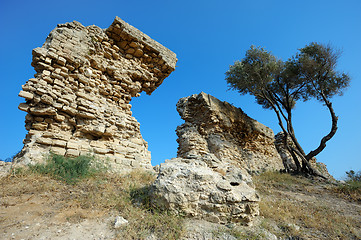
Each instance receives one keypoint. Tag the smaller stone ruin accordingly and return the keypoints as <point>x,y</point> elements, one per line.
<point>78,100</point>
<point>218,128</point>
<point>219,148</point>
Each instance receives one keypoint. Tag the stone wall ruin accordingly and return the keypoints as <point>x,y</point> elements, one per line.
<point>219,148</point>
<point>78,100</point>
<point>215,127</point>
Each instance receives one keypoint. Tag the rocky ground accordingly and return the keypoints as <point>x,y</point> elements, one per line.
<point>38,207</point>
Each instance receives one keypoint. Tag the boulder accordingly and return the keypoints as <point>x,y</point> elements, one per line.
<point>220,194</point>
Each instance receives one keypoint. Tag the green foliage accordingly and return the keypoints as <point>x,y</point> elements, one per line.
<point>278,85</point>
<point>254,74</point>
<point>67,169</point>
<point>309,74</point>
<point>351,189</point>
<point>352,176</point>
<point>317,66</point>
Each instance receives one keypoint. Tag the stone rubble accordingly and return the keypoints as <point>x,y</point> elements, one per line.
<point>78,100</point>
<point>219,148</point>
<point>120,221</point>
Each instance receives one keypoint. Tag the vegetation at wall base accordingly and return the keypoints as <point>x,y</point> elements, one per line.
<point>291,206</point>
<point>70,170</point>
<point>88,189</point>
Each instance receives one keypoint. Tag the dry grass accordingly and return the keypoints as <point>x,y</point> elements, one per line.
<point>297,206</point>
<point>97,195</point>
<point>351,188</point>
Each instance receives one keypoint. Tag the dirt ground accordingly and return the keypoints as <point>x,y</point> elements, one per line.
<point>42,208</point>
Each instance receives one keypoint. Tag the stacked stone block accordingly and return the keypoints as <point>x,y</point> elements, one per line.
<point>79,99</point>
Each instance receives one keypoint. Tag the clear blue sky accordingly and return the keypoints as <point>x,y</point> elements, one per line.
<point>207,37</point>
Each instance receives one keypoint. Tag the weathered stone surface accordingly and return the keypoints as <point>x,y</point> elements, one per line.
<point>206,188</point>
<point>216,127</point>
<point>219,148</point>
<point>82,89</point>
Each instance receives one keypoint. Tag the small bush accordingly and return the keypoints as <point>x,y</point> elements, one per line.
<point>354,177</point>
<point>67,169</point>
<point>351,189</point>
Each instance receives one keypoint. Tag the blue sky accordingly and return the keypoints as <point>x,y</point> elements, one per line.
<point>207,37</point>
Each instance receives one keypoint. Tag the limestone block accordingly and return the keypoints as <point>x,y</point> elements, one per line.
<point>72,144</point>
<point>86,115</point>
<point>40,126</point>
<point>58,150</point>
<point>59,143</point>
<point>72,153</point>
<point>61,61</point>
<point>45,141</point>
<point>69,110</point>
<point>46,99</point>
<point>26,95</point>
<point>40,111</point>
<point>85,96</point>
<point>101,150</point>
<point>23,107</point>
<point>59,117</point>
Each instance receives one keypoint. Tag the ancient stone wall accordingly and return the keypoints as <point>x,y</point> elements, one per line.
<point>219,148</point>
<point>78,100</point>
<point>216,127</point>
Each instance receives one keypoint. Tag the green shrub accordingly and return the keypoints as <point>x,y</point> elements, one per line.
<point>353,176</point>
<point>351,189</point>
<point>67,169</point>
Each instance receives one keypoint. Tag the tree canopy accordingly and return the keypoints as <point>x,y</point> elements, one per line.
<point>278,85</point>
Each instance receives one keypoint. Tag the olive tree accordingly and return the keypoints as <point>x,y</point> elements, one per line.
<point>278,85</point>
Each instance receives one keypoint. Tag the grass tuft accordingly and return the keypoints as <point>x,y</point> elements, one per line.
<point>70,170</point>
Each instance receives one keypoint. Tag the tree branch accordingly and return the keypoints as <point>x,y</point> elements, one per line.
<point>330,134</point>
<point>277,110</point>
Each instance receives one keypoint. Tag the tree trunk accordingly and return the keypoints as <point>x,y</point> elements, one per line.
<point>329,135</point>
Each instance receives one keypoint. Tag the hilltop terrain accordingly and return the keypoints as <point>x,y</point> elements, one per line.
<point>35,206</point>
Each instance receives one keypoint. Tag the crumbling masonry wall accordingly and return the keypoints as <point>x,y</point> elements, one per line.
<point>215,127</point>
<point>219,148</point>
<point>78,100</point>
